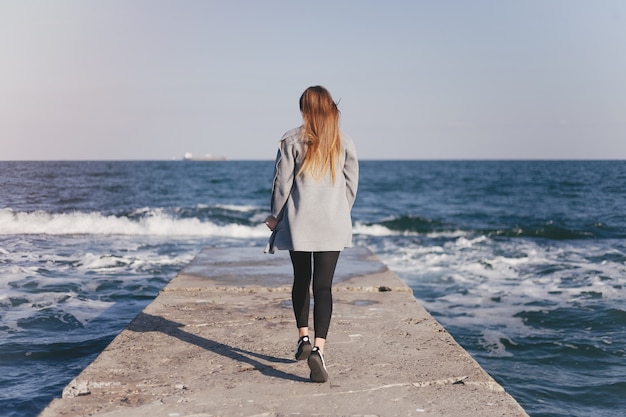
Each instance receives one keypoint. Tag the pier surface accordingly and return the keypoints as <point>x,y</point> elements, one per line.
<point>219,340</point>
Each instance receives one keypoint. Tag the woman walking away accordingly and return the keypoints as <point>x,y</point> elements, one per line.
<point>315,183</point>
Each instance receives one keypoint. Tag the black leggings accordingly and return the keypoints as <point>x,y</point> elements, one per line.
<point>322,270</point>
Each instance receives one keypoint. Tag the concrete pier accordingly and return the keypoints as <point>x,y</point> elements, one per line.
<point>219,340</point>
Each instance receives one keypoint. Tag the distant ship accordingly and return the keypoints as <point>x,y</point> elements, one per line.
<point>206,157</point>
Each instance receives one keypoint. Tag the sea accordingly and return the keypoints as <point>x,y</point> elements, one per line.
<point>523,262</point>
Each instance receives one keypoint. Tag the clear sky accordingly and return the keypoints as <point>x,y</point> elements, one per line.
<point>153,79</point>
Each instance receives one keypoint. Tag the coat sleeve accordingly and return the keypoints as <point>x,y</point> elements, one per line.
<point>283,178</point>
<point>351,172</point>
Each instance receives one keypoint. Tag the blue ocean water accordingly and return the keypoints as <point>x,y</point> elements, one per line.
<point>524,262</point>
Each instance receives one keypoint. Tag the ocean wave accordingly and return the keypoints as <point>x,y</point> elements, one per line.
<point>494,285</point>
<point>407,226</point>
<point>148,223</point>
<point>415,224</point>
<point>373,230</point>
<point>245,221</point>
<point>404,225</point>
<point>23,310</point>
<point>239,208</point>
<point>548,231</point>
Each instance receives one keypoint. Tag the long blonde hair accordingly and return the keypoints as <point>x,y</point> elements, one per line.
<point>321,129</point>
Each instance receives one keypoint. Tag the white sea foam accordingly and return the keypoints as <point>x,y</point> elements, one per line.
<point>82,309</point>
<point>374,230</point>
<point>447,234</point>
<point>74,278</point>
<point>239,208</point>
<point>481,284</point>
<point>80,255</point>
<point>153,223</point>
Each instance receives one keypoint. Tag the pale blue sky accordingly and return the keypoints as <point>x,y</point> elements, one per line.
<point>153,79</point>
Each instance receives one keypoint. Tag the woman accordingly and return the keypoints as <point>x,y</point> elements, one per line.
<point>315,184</point>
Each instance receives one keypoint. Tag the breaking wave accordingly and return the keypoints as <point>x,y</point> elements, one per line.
<point>150,223</point>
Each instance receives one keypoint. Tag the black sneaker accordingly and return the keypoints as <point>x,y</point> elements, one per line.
<point>304,348</point>
<point>317,366</point>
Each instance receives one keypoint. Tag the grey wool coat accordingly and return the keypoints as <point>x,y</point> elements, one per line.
<point>313,215</point>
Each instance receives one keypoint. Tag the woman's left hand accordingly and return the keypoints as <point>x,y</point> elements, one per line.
<point>271,222</point>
